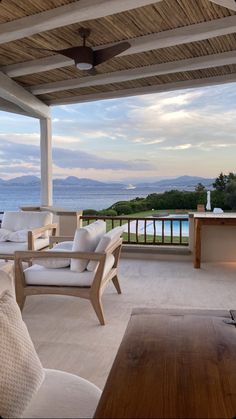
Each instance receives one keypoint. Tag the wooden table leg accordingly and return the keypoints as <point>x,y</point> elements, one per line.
<point>197,244</point>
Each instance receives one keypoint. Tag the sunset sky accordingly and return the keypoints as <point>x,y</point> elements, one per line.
<point>186,132</point>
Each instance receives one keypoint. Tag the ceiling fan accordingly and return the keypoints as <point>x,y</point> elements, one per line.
<point>86,58</point>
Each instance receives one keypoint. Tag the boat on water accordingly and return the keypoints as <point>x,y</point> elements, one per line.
<point>130,186</point>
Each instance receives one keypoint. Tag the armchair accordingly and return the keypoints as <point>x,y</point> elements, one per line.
<point>87,284</point>
<point>25,231</point>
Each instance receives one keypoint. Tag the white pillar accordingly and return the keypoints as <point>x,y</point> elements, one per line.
<point>46,161</point>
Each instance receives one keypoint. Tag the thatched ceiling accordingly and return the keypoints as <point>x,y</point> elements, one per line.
<point>162,16</point>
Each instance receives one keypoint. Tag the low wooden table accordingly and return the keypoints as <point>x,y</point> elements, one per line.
<point>173,364</point>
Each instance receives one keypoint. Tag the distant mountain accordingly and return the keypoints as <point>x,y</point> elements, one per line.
<point>23,180</point>
<point>180,183</point>
<point>75,181</point>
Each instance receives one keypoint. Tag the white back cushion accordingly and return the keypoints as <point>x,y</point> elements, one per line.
<point>106,241</point>
<point>25,220</point>
<point>86,239</point>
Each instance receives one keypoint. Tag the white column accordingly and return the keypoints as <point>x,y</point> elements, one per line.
<point>46,161</point>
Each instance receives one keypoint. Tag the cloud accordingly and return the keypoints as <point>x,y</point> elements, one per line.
<point>18,156</point>
<point>166,134</point>
<point>178,147</point>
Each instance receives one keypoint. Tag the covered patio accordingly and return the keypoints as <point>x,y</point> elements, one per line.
<point>80,346</point>
<point>174,44</point>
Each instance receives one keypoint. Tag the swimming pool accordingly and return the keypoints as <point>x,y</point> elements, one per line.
<point>167,226</point>
<point>164,223</point>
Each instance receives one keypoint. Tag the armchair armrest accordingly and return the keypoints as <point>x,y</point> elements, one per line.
<point>59,239</point>
<point>35,233</point>
<point>34,254</point>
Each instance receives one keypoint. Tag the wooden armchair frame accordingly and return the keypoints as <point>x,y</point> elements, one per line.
<point>33,234</point>
<point>92,293</point>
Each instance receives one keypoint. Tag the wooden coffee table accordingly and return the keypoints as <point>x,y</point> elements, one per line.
<point>174,364</point>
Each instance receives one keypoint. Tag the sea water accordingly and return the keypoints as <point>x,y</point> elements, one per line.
<point>69,197</point>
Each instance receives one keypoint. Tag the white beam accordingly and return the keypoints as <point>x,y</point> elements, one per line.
<point>186,84</point>
<point>16,94</point>
<point>229,4</point>
<point>46,161</point>
<point>209,61</point>
<point>186,34</point>
<point>79,11</point>
<point>6,106</point>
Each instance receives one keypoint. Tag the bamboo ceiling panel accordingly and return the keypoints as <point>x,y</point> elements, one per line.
<point>180,52</point>
<point>169,14</point>
<point>158,17</point>
<point>15,9</point>
<point>149,81</point>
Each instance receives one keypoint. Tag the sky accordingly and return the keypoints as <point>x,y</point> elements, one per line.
<point>186,132</point>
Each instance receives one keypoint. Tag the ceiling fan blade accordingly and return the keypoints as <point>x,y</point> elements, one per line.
<point>70,52</point>
<point>106,54</point>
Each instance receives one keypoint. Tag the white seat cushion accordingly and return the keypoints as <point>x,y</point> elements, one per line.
<point>105,242</point>
<point>64,395</point>
<point>9,248</point>
<point>86,239</point>
<point>39,275</point>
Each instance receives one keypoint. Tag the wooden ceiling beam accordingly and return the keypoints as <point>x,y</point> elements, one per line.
<point>209,61</point>
<point>79,11</point>
<point>17,95</point>
<point>165,39</point>
<point>229,4</point>
<point>186,84</point>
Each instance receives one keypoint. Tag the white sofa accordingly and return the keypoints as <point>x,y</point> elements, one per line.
<point>25,230</point>
<point>82,267</point>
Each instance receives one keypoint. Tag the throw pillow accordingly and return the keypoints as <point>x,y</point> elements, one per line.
<point>19,236</point>
<point>55,263</point>
<point>21,372</point>
<point>4,233</point>
<point>86,239</point>
<point>106,241</point>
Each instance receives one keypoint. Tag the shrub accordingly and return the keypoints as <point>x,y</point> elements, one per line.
<point>123,208</point>
<point>230,195</point>
<point>108,212</point>
<point>90,212</point>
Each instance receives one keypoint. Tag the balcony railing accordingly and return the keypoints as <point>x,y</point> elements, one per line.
<point>147,231</point>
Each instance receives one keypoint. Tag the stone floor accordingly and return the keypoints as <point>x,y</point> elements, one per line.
<point>66,332</point>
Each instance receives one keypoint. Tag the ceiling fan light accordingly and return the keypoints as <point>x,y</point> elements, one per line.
<point>84,58</point>
<point>84,66</point>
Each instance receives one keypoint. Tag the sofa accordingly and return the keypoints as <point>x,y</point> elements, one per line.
<point>25,230</point>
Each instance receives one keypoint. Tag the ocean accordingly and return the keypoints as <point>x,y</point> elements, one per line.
<point>69,197</point>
